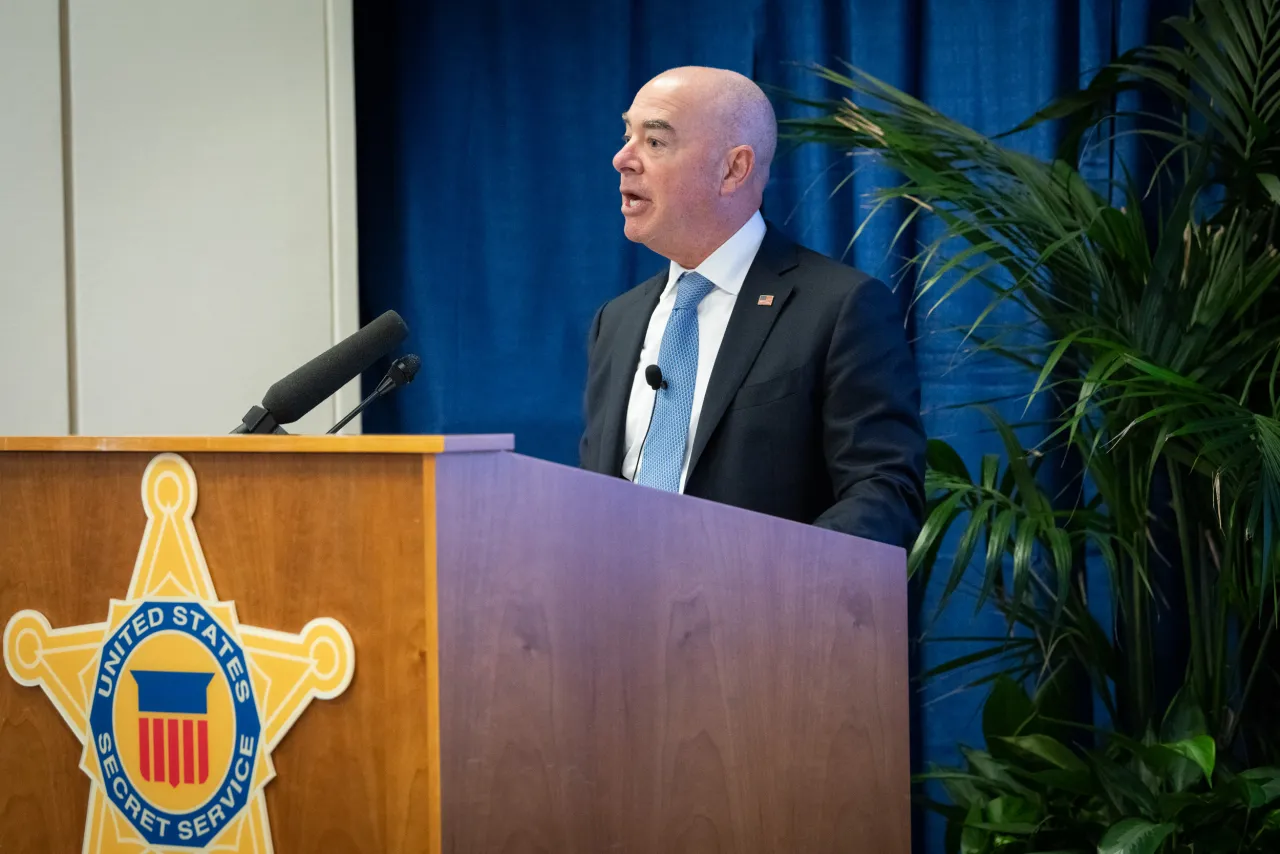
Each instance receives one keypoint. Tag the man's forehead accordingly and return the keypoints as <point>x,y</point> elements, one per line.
<point>643,109</point>
<point>672,101</point>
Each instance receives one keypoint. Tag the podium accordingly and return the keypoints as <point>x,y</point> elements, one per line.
<point>544,659</point>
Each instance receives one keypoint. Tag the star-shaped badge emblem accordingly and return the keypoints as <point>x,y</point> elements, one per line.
<point>177,704</point>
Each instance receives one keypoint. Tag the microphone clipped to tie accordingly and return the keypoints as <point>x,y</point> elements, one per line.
<point>653,376</point>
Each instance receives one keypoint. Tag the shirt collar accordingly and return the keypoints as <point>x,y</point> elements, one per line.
<point>727,267</point>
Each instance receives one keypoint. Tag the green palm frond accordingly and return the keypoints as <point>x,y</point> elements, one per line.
<point>1148,312</point>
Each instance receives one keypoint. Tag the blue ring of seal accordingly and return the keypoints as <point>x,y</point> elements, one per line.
<point>102,722</point>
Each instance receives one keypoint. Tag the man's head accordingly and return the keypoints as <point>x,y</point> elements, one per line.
<point>698,143</point>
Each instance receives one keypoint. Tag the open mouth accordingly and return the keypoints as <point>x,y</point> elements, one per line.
<point>633,203</point>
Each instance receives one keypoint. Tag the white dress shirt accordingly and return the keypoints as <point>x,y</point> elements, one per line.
<point>726,268</point>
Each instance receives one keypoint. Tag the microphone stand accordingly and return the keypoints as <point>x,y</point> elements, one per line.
<point>401,372</point>
<point>384,386</point>
<point>258,420</point>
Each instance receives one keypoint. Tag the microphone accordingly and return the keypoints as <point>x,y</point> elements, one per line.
<point>653,376</point>
<point>307,387</point>
<point>401,372</point>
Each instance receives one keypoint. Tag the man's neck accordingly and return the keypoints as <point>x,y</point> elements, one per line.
<point>705,248</point>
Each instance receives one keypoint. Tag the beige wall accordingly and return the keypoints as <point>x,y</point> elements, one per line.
<point>211,201</point>
<point>33,322</point>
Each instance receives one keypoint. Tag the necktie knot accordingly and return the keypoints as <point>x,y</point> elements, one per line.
<point>691,289</point>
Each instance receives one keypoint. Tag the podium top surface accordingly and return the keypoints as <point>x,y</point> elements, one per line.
<point>264,444</point>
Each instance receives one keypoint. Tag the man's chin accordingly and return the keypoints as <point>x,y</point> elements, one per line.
<point>634,231</point>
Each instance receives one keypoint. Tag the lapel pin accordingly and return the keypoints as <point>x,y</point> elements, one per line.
<point>765,299</point>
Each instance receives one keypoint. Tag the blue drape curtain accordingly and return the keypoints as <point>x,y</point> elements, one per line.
<point>488,207</point>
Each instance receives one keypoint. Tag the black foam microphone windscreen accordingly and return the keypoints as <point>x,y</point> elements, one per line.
<point>309,386</point>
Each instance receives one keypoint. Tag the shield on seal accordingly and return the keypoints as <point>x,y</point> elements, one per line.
<point>173,726</point>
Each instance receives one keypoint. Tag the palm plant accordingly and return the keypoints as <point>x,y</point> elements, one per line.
<point>1155,304</point>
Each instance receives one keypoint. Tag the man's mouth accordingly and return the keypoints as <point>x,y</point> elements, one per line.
<point>633,203</point>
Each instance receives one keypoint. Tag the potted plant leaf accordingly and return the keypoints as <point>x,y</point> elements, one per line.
<point>1156,301</point>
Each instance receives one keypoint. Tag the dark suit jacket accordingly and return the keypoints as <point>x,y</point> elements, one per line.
<point>812,410</point>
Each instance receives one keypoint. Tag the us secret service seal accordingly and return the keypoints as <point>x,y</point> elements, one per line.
<point>176,704</point>
<point>175,724</point>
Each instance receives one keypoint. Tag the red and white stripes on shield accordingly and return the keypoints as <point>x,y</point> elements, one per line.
<point>173,750</point>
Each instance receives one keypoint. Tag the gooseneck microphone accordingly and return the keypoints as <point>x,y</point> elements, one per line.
<point>401,372</point>
<point>307,387</point>
<point>653,376</point>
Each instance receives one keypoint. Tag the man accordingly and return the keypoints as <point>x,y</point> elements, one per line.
<point>784,383</point>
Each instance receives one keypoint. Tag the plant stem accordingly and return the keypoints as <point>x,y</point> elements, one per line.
<point>1141,660</point>
<point>1189,576</point>
<point>1219,634</point>
<point>1263,645</point>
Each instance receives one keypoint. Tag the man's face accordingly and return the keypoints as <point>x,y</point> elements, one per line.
<point>669,166</point>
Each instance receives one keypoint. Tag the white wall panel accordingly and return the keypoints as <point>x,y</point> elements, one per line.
<point>33,321</point>
<point>208,258</point>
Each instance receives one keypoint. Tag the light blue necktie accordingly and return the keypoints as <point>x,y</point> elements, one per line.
<point>678,358</point>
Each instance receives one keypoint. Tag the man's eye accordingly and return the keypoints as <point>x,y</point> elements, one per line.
<point>626,138</point>
<point>655,143</point>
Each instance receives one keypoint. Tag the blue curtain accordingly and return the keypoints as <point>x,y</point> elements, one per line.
<point>488,204</point>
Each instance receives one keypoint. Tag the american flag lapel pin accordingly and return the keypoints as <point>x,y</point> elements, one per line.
<point>765,299</point>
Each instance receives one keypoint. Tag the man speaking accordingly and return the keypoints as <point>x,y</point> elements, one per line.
<point>752,371</point>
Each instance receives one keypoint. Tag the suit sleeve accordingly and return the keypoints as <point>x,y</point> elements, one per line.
<point>583,443</point>
<point>873,436</point>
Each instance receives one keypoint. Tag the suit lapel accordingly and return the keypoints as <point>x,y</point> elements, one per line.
<point>749,326</point>
<point>626,356</point>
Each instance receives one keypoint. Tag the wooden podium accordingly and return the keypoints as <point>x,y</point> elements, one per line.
<point>545,660</point>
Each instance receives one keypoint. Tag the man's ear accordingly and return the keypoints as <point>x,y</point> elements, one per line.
<point>739,166</point>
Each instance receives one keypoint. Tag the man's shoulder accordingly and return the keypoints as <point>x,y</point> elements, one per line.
<point>635,297</point>
<point>643,290</point>
<point>826,273</point>
<point>819,276</point>
<point>825,278</point>
<point>824,289</point>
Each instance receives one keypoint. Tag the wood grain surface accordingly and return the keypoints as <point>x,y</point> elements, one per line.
<point>289,537</point>
<point>624,670</point>
<point>252,444</point>
<point>620,670</point>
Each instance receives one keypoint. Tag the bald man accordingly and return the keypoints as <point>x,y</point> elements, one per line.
<point>751,371</point>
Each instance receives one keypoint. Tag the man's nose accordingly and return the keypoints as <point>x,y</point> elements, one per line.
<point>626,160</point>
